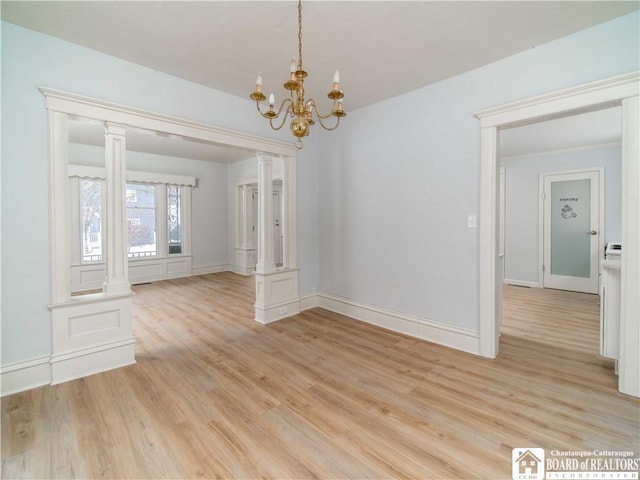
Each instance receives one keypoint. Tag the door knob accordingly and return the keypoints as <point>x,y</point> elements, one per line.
<point>592,232</point>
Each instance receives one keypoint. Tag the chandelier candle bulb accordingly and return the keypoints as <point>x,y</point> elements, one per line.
<point>272,100</point>
<point>336,79</point>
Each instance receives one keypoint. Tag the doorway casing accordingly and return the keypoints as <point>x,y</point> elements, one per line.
<point>94,333</point>
<point>623,90</point>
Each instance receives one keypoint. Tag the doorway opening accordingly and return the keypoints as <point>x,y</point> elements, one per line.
<point>142,219</point>
<point>623,90</point>
<point>553,206</point>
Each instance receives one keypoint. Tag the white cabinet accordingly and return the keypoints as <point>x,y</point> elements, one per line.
<point>610,309</point>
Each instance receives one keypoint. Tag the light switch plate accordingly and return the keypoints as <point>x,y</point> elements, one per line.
<point>471,221</point>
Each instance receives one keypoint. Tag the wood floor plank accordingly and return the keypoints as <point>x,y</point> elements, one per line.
<point>216,395</point>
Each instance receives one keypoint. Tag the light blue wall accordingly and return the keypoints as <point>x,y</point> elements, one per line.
<point>399,179</point>
<point>29,60</point>
<point>522,200</point>
<point>382,202</point>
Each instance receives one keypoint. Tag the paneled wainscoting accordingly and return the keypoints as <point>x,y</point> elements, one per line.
<point>214,394</point>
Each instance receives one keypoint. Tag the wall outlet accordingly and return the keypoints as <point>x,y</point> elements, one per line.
<point>283,310</point>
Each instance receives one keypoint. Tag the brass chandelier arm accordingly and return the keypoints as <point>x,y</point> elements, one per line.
<point>324,117</point>
<point>312,101</point>
<point>274,114</point>
<point>329,128</point>
<point>284,119</point>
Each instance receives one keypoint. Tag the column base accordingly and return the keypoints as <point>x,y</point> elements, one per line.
<point>117,288</point>
<point>91,334</point>
<point>276,295</point>
<point>245,261</point>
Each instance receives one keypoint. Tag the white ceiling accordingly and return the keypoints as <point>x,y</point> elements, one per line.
<point>87,132</point>
<point>381,48</point>
<point>575,131</point>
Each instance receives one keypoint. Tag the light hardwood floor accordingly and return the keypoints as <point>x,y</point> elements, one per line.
<point>570,320</point>
<point>216,395</point>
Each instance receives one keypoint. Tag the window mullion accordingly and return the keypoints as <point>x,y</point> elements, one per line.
<point>75,223</point>
<point>162,240</point>
<point>185,193</point>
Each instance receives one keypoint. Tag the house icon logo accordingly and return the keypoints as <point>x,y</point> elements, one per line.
<point>527,463</point>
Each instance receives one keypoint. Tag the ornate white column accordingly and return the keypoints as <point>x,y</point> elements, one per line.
<point>276,289</point>
<point>59,205</point>
<point>266,263</point>
<point>116,261</point>
<point>89,333</point>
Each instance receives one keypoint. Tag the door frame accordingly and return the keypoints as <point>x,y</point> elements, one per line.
<point>623,90</point>
<point>541,216</point>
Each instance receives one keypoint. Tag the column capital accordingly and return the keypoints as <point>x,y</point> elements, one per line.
<point>267,157</point>
<point>114,129</point>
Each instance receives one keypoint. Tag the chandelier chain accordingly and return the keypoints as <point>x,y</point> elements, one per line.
<point>299,34</point>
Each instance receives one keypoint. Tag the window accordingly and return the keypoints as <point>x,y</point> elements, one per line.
<point>141,220</point>
<point>174,218</point>
<point>157,215</point>
<point>91,219</point>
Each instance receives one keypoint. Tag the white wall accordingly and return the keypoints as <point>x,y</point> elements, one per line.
<point>399,178</point>
<point>29,60</point>
<point>308,183</point>
<point>522,201</point>
<point>382,201</point>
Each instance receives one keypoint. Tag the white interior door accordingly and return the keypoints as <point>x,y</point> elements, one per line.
<point>572,231</point>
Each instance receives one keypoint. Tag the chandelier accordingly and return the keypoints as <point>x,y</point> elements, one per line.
<point>302,111</point>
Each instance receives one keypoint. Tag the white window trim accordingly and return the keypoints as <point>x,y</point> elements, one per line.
<point>77,172</point>
<point>160,228</point>
<point>76,221</point>
<point>89,275</point>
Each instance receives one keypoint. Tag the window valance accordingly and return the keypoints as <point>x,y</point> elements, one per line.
<point>86,171</point>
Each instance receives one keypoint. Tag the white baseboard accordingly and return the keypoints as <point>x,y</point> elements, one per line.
<point>82,363</point>
<point>522,283</point>
<point>21,376</point>
<point>54,369</point>
<point>442,334</point>
<point>309,300</point>
<point>246,272</point>
<point>276,312</point>
<point>47,370</point>
<point>206,269</point>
